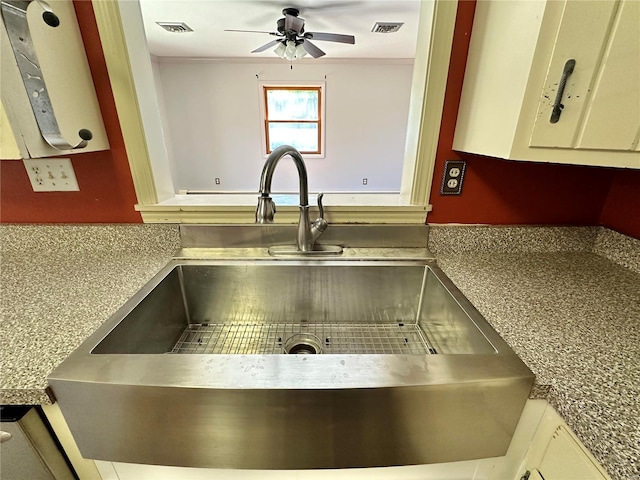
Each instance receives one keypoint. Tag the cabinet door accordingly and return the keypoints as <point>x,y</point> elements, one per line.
<point>566,459</point>
<point>581,37</point>
<point>613,117</point>
<point>516,60</point>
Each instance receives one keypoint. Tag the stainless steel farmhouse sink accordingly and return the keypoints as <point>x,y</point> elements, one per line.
<point>293,364</point>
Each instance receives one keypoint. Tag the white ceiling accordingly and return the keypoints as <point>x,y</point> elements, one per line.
<point>209,19</point>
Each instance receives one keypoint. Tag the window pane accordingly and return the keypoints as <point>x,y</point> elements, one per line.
<point>303,136</point>
<point>292,104</point>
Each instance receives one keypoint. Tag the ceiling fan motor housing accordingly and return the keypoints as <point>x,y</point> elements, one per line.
<point>281,28</point>
<point>294,12</point>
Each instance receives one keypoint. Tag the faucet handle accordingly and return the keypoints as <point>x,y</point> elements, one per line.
<point>320,207</point>
<point>320,224</point>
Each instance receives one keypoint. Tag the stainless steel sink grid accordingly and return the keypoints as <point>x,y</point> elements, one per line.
<point>377,333</point>
<point>258,338</point>
<point>374,396</point>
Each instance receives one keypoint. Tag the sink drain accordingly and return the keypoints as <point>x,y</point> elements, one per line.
<point>302,344</point>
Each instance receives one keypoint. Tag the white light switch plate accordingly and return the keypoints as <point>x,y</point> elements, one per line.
<point>51,174</point>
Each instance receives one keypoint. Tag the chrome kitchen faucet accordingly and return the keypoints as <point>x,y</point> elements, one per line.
<point>308,232</point>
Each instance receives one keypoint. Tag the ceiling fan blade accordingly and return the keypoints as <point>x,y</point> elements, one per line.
<point>331,37</point>
<point>293,23</point>
<point>266,46</point>
<point>255,31</point>
<point>311,49</point>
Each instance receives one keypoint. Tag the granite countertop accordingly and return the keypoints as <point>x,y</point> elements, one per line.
<point>568,303</point>
<point>567,300</point>
<point>58,284</point>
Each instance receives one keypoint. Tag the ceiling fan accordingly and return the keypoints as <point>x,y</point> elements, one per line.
<point>293,41</point>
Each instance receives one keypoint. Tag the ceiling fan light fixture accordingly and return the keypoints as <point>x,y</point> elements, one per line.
<point>300,51</point>
<point>288,50</point>
<point>280,49</point>
<point>293,42</point>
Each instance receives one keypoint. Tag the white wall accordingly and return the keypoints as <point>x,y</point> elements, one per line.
<point>213,121</point>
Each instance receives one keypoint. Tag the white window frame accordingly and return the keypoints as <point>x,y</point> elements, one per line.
<point>127,58</point>
<point>293,85</point>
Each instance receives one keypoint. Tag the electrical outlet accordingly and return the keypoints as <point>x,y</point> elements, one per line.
<point>365,181</point>
<point>51,174</point>
<point>452,177</point>
<point>217,181</point>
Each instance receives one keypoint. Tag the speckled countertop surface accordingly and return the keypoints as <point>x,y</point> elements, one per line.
<point>567,300</point>
<point>58,284</point>
<point>571,313</point>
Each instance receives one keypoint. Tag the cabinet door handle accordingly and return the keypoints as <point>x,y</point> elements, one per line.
<point>557,104</point>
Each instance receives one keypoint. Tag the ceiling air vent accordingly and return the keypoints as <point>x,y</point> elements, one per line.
<point>175,27</point>
<point>387,27</point>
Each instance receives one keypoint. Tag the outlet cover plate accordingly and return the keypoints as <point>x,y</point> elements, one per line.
<point>452,177</point>
<point>51,174</point>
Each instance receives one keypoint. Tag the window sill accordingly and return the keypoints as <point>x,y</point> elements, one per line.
<point>240,208</point>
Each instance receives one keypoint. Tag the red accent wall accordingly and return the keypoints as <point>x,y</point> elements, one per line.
<point>621,210</point>
<point>497,191</point>
<point>106,191</point>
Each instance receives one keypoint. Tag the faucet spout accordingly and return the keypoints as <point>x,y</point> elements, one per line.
<point>270,167</point>
<point>307,232</point>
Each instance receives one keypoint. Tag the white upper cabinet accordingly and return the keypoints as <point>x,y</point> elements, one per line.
<point>8,146</point>
<point>555,81</point>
